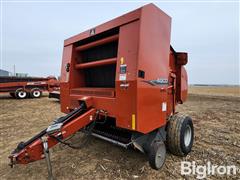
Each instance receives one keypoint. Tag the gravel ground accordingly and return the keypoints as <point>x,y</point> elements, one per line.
<point>217,139</point>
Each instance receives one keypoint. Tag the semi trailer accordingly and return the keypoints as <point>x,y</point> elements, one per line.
<point>121,82</point>
<point>24,87</point>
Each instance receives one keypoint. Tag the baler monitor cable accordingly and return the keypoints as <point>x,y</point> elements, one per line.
<point>71,145</point>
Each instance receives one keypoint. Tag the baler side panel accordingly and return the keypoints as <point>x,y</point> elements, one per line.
<point>64,97</point>
<point>66,58</point>
<point>64,82</point>
<point>128,54</point>
<point>76,76</point>
<point>184,84</point>
<point>172,85</point>
<point>154,52</point>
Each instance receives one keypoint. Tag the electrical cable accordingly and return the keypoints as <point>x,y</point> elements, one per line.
<point>71,145</point>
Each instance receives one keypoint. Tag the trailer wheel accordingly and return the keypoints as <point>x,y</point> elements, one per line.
<point>21,94</point>
<point>35,93</point>
<point>157,155</point>
<point>180,135</point>
<point>12,94</point>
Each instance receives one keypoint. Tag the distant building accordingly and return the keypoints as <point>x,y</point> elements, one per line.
<point>21,74</point>
<point>4,73</point>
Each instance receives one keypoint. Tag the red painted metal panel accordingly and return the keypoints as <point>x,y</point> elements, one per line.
<point>105,103</point>
<point>127,51</point>
<point>154,49</point>
<point>184,84</point>
<point>67,56</point>
<point>104,92</point>
<point>96,63</point>
<point>97,43</point>
<point>64,97</point>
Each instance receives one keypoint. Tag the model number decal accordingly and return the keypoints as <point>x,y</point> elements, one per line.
<point>157,82</point>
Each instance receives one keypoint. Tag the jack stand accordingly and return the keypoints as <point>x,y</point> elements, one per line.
<point>47,157</point>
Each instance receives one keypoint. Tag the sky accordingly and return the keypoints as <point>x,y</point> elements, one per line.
<point>33,34</point>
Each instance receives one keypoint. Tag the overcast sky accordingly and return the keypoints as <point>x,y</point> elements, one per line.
<point>33,35</point>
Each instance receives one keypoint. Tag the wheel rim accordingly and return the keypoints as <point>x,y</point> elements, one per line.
<point>36,93</point>
<point>187,136</point>
<point>160,156</point>
<point>22,94</point>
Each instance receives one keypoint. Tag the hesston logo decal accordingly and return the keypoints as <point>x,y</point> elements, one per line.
<point>157,82</point>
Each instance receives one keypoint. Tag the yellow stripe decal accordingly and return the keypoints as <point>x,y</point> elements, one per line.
<point>133,122</point>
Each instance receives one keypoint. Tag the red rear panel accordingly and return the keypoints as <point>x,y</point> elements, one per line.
<point>153,59</point>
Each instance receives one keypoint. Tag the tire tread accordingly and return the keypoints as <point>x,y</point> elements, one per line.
<point>173,134</point>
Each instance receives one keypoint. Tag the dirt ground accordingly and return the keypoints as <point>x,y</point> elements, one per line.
<point>217,139</point>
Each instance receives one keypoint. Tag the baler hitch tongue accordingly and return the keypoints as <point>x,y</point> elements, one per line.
<point>53,128</point>
<point>60,129</point>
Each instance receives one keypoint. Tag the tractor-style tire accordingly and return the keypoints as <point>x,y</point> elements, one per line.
<point>180,135</point>
<point>35,93</point>
<point>12,94</point>
<point>157,155</point>
<point>21,94</point>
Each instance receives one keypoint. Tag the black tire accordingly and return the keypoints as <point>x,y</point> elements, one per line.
<point>157,156</point>
<point>12,94</point>
<point>35,93</point>
<point>180,135</point>
<point>21,94</point>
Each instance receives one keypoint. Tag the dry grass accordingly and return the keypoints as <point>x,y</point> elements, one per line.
<point>215,90</point>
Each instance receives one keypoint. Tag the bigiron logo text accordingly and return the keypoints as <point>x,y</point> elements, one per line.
<point>209,169</point>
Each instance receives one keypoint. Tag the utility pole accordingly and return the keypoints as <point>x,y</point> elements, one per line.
<point>1,34</point>
<point>14,72</point>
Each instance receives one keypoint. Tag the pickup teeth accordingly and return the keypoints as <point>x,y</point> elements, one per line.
<point>112,132</point>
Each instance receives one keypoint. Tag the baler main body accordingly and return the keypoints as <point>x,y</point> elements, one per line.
<point>120,82</point>
<point>128,68</point>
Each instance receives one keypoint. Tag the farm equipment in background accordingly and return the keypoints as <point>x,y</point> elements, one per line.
<point>121,82</point>
<point>24,87</point>
<point>54,94</point>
